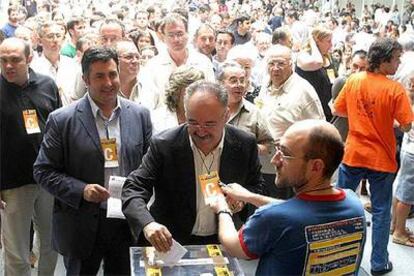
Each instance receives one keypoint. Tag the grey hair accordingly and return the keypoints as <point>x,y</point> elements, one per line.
<point>206,87</point>
<point>182,77</point>
<point>221,72</point>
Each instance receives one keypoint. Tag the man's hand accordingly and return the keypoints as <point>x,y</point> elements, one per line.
<point>235,205</point>
<point>95,193</point>
<point>158,235</point>
<point>218,203</point>
<point>236,192</point>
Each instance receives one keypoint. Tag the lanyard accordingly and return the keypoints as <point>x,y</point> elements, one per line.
<point>204,162</point>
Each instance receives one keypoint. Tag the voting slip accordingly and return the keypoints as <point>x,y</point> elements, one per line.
<point>210,186</point>
<point>114,203</point>
<point>170,258</point>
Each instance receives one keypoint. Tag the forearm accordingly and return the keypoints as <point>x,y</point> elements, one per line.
<point>229,237</point>
<point>260,200</point>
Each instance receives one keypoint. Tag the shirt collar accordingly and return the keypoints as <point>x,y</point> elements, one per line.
<point>96,110</point>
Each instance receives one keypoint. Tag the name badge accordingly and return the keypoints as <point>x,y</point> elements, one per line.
<point>110,152</point>
<point>210,185</point>
<point>31,122</point>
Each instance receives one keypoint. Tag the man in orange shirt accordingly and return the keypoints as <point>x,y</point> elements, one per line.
<point>373,103</point>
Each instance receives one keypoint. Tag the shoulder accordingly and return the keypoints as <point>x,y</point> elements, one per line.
<point>234,134</point>
<point>134,107</point>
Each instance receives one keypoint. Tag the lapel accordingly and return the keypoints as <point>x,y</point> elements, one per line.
<point>86,118</point>
<point>185,163</point>
<point>231,151</point>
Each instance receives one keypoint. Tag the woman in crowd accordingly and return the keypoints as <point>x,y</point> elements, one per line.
<point>314,64</point>
<point>173,113</point>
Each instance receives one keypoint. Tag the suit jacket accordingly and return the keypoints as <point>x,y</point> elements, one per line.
<point>168,167</point>
<point>71,157</point>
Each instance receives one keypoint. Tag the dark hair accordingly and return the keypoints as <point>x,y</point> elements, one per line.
<point>12,9</point>
<point>381,51</point>
<point>326,146</point>
<point>239,20</point>
<point>136,35</point>
<point>173,18</point>
<point>360,53</point>
<point>73,22</point>
<point>95,54</point>
<point>204,26</point>
<point>227,32</point>
<point>279,34</point>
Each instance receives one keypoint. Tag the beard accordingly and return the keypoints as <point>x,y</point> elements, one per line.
<point>293,183</point>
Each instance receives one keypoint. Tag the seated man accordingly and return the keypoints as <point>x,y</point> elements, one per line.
<point>322,229</point>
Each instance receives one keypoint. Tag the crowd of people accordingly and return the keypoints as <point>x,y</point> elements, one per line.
<point>268,100</point>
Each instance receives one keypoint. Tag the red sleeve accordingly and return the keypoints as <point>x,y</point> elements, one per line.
<point>244,246</point>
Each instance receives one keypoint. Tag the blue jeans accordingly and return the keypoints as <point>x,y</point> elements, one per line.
<point>381,199</point>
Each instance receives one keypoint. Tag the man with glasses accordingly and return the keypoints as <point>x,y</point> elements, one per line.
<point>110,32</point>
<point>86,143</point>
<point>128,70</point>
<point>176,166</point>
<point>51,63</point>
<point>286,99</point>
<point>26,99</point>
<point>158,70</point>
<point>322,229</point>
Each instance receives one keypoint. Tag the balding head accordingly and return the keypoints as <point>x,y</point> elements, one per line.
<point>279,51</point>
<point>321,140</point>
<point>14,60</point>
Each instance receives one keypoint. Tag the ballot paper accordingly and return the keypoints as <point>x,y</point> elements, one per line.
<point>114,203</point>
<point>170,258</point>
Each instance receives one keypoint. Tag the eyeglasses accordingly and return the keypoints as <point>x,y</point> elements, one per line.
<point>208,125</point>
<point>281,156</point>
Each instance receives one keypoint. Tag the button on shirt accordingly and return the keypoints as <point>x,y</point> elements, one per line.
<point>205,224</point>
<point>108,129</point>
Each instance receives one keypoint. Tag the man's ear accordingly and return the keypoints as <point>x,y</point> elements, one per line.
<point>85,79</point>
<point>317,165</point>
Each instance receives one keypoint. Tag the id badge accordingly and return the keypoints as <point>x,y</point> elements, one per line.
<point>331,75</point>
<point>210,185</point>
<point>31,121</point>
<point>110,152</point>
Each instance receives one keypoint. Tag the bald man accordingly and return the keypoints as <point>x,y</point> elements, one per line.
<point>26,99</point>
<point>322,229</point>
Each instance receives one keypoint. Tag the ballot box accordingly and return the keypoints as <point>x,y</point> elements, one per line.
<point>204,260</point>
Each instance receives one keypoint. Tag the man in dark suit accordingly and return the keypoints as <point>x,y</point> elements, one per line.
<point>176,163</point>
<point>85,143</point>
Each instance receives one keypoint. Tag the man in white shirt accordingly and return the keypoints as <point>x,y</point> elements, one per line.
<point>158,70</point>
<point>52,63</point>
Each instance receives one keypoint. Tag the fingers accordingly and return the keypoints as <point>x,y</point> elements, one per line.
<point>95,193</point>
<point>159,236</point>
<point>161,240</point>
<point>2,204</point>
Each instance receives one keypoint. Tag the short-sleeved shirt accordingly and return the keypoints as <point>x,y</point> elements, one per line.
<point>291,238</point>
<point>372,102</point>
